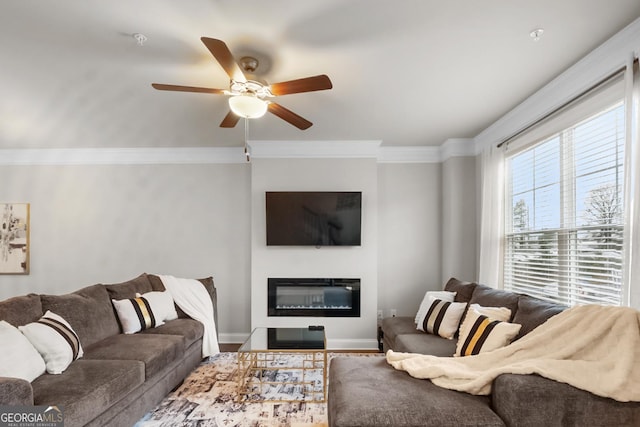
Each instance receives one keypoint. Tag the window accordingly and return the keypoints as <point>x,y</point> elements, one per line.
<point>564,213</point>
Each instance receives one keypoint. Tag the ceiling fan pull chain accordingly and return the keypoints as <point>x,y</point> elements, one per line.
<point>247,153</point>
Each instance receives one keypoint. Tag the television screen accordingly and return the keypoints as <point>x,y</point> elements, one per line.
<point>313,218</point>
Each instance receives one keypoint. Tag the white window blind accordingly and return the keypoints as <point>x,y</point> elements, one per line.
<point>564,212</point>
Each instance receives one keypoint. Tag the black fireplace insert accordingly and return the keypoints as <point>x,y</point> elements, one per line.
<point>314,297</point>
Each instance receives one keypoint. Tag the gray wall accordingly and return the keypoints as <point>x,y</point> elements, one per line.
<point>459,218</point>
<point>106,224</point>
<point>409,249</point>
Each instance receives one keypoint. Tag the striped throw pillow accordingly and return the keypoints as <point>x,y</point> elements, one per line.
<point>442,318</point>
<point>55,340</point>
<point>136,314</point>
<point>426,302</point>
<point>481,334</point>
<point>494,313</point>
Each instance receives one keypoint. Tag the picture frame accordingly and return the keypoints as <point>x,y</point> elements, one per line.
<point>14,238</point>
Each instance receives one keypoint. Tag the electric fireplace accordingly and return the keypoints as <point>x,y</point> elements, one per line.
<point>314,297</point>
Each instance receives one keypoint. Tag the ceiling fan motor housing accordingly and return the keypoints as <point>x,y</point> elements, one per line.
<point>250,87</point>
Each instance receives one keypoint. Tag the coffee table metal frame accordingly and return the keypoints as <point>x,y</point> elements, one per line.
<point>254,363</point>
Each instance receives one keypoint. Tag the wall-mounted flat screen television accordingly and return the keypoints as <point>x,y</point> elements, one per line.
<point>313,218</point>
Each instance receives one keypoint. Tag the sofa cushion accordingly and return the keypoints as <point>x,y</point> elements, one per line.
<point>502,314</point>
<point>18,358</point>
<point>367,391</point>
<point>88,311</point>
<point>425,344</point>
<point>21,310</point>
<point>88,387</point>
<point>442,318</point>
<point>481,334</point>
<point>531,400</point>
<point>135,314</point>
<point>55,340</point>
<point>162,304</point>
<point>399,325</point>
<point>463,290</point>
<point>533,312</point>
<point>128,289</point>
<point>190,329</point>
<point>157,285</point>
<point>426,302</point>
<point>155,350</point>
<point>490,297</point>
<point>15,392</point>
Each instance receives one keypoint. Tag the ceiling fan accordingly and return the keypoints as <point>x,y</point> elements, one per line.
<point>252,98</point>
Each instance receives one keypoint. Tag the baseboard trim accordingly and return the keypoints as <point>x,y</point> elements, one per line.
<point>232,338</point>
<point>352,344</point>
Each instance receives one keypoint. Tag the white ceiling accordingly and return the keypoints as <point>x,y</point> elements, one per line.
<point>405,72</point>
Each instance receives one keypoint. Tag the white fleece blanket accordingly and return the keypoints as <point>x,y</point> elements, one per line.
<point>592,347</point>
<point>192,297</point>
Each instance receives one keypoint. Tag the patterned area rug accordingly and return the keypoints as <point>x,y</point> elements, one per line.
<point>207,398</point>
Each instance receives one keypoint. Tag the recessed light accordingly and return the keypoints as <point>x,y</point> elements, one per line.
<point>536,34</point>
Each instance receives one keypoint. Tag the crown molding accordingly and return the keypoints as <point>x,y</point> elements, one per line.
<point>588,71</point>
<point>417,154</point>
<point>457,147</point>
<point>313,149</point>
<point>235,155</point>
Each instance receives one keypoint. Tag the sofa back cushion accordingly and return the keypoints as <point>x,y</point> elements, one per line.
<point>463,290</point>
<point>88,311</point>
<point>489,297</point>
<point>128,289</point>
<point>157,285</point>
<point>532,312</point>
<point>18,311</point>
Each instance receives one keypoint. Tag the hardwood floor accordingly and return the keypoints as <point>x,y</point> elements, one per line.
<point>232,347</point>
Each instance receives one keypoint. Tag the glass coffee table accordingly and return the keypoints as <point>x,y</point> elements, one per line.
<point>283,365</point>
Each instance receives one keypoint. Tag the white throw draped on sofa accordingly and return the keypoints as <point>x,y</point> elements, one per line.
<point>593,348</point>
<point>192,297</point>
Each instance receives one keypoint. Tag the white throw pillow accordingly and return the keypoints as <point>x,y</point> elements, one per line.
<point>136,314</point>
<point>442,318</point>
<point>18,358</point>
<point>502,314</point>
<point>55,340</point>
<point>425,304</point>
<point>162,304</point>
<point>481,334</point>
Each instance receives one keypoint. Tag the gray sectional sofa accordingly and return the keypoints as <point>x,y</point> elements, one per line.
<point>369,392</point>
<point>121,376</point>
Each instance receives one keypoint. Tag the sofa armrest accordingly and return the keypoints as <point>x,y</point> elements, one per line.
<point>531,400</point>
<point>15,391</point>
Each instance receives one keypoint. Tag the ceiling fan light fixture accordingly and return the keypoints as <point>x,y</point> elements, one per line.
<point>248,106</point>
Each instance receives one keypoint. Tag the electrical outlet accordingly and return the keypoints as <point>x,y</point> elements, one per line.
<point>380,315</point>
<point>393,312</point>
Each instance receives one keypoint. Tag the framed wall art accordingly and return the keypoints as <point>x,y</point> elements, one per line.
<point>14,238</point>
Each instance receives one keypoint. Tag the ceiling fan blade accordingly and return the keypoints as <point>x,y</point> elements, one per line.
<point>230,120</point>
<point>289,116</point>
<point>175,88</point>
<point>225,58</point>
<point>307,84</point>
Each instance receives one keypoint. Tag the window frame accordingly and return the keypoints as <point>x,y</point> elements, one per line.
<point>567,249</point>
